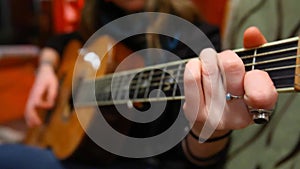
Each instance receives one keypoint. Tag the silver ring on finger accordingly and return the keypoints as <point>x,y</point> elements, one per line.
<point>261,116</point>
<point>229,97</point>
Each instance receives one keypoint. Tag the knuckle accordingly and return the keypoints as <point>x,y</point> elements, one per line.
<point>233,65</point>
<point>231,62</point>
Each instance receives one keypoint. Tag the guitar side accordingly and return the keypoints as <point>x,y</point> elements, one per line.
<point>60,123</point>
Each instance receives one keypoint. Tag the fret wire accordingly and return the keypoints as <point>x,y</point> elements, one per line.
<point>128,84</point>
<point>137,87</point>
<point>271,52</point>
<point>114,88</point>
<point>161,81</point>
<point>107,93</point>
<point>149,80</point>
<point>108,83</point>
<point>100,86</point>
<point>254,59</point>
<point>177,78</point>
<point>273,60</point>
<point>123,88</point>
<point>121,85</point>
<point>97,87</point>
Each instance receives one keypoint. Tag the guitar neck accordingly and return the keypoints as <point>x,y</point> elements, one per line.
<point>279,59</point>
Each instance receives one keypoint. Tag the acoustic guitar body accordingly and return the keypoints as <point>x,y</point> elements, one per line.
<point>62,131</point>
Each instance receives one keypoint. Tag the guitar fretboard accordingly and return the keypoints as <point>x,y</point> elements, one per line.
<point>157,83</point>
<point>165,81</point>
<point>278,59</point>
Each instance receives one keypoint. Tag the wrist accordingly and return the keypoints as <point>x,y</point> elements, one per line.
<point>47,63</point>
<point>206,154</point>
<point>215,136</point>
<point>49,58</point>
<point>46,68</point>
<point>208,151</point>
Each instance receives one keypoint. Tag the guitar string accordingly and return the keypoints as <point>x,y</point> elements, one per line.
<point>182,61</point>
<point>272,60</point>
<point>143,99</point>
<point>105,101</point>
<point>156,83</point>
<point>244,57</point>
<point>270,52</point>
<point>172,85</point>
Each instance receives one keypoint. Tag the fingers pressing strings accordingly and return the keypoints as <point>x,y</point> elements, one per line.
<point>214,91</point>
